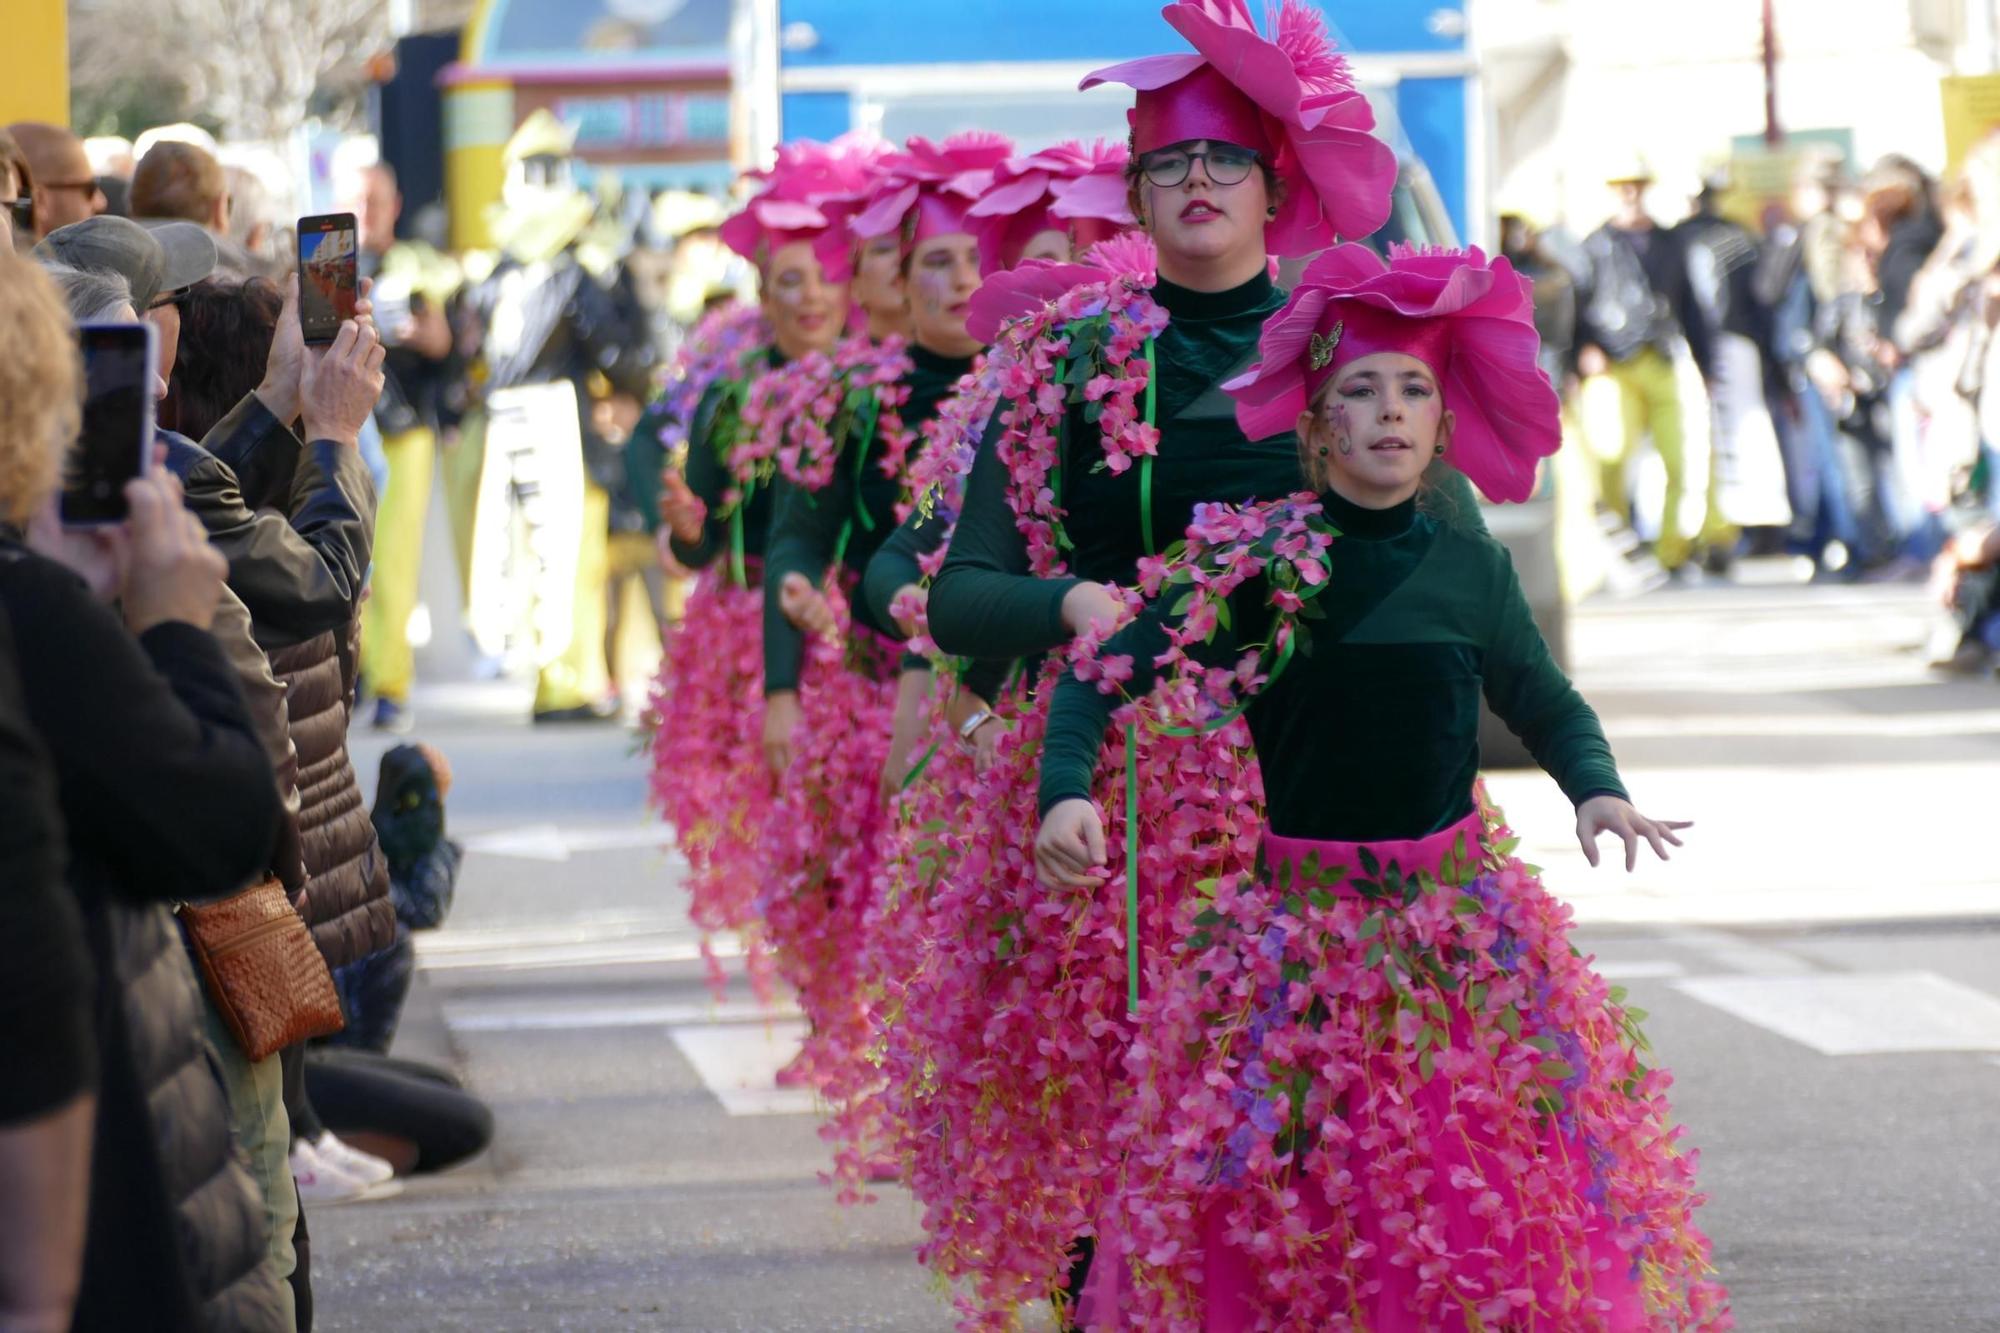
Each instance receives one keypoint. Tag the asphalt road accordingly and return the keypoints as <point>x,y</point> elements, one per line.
<point>1822,966</point>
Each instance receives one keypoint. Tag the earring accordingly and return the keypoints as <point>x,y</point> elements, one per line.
<point>1322,451</point>
<point>1438,451</point>
<point>1271,212</point>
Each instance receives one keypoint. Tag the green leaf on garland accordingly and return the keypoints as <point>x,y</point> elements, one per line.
<point>1555,1071</point>
<point>1371,926</point>
<point>1373,956</point>
<point>1541,1041</point>
<point>1467,905</point>
<point>1426,1066</point>
<point>1510,1022</point>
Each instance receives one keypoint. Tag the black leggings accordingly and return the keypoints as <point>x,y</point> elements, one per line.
<point>361,1092</point>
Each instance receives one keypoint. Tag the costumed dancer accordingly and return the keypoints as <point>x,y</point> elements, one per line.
<point>936,732</point>
<point>1380,1089</point>
<point>707,711</point>
<point>1009,1045</point>
<point>550,330</point>
<point>841,429</point>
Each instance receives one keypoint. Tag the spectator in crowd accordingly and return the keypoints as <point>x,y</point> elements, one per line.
<point>253,224</point>
<point>184,182</point>
<point>1631,300</point>
<point>16,193</point>
<point>65,190</point>
<point>231,330</point>
<point>415,1115</point>
<point>167,797</point>
<point>48,1051</point>
<point>415,292</point>
<point>255,1089</point>
<point>1745,470</point>
<point>1900,229</point>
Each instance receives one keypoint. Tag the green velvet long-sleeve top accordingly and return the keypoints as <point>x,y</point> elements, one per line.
<point>713,433</point>
<point>984,603</point>
<point>806,526</point>
<point>1374,734</point>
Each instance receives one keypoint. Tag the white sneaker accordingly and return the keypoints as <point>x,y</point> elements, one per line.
<point>364,1167</point>
<point>320,1181</point>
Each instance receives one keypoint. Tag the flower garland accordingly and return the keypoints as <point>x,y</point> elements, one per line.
<point>1090,346</point>
<point>798,417</point>
<point>705,774</point>
<point>725,344</point>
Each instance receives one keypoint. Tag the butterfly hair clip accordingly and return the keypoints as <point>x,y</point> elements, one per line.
<point>1319,350</point>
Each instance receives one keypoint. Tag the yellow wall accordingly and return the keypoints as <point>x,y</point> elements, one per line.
<point>478,121</point>
<point>36,82</point>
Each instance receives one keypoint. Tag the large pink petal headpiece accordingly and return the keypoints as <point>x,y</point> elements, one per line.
<point>801,201</point>
<point>1290,96</point>
<point>926,189</point>
<point>1472,322</point>
<point>1013,292</point>
<point>1070,187</point>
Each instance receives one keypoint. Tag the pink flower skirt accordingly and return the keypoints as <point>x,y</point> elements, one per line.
<point>705,770</point>
<point>1376,1090</point>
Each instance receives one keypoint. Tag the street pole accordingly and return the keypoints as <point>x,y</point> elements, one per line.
<point>1774,133</point>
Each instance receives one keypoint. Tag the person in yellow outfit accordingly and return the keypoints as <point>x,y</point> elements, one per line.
<point>1632,301</point>
<point>416,288</point>
<point>547,326</point>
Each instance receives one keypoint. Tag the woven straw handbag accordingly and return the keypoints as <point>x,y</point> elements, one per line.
<point>263,970</point>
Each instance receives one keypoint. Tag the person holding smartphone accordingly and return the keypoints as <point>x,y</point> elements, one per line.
<point>167,796</point>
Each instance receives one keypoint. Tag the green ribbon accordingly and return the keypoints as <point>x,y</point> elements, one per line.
<point>869,410</point>
<point>1146,463</point>
<point>1131,868</point>
<point>917,770</point>
<point>737,564</point>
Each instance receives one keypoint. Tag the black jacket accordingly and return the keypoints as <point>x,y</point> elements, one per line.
<point>48,1051</point>
<point>167,796</point>
<point>1633,292</point>
<point>295,521</point>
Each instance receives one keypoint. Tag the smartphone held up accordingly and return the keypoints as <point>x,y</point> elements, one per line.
<point>120,367</point>
<point>329,279</point>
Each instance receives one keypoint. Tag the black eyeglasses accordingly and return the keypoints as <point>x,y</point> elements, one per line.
<point>1225,163</point>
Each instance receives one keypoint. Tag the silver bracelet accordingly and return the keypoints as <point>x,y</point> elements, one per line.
<point>968,728</point>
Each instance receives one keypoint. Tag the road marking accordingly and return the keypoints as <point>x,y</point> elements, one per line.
<point>1636,969</point>
<point>739,1065</point>
<point>1738,954</point>
<point>552,842</point>
<point>1818,726</point>
<point>1860,1013</point>
<point>542,1018</point>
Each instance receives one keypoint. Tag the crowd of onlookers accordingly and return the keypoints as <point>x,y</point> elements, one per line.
<point>1842,343</point>
<point>206,929</point>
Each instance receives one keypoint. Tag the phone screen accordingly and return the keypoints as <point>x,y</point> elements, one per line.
<point>328,279</point>
<point>117,438</point>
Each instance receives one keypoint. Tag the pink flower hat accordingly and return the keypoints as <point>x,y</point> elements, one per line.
<point>800,201</point>
<point>927,189</point>
<point>1070,187</point>
<point>1290,96</point>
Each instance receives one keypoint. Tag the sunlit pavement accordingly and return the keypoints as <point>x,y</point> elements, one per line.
<point>1820,962</point>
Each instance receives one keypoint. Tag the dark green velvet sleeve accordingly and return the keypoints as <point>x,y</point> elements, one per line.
<point>805,527</point>
<point>1080,711</point>
<point>1530,693</point>
<point>894,566</point>
<point>984,602</point>
<point>707,478</point>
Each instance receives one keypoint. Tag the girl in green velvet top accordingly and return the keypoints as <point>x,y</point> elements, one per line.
<point>1381,1045</point>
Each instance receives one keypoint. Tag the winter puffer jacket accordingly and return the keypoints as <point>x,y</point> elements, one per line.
<point>216,1211</point>
<point>346,898</point>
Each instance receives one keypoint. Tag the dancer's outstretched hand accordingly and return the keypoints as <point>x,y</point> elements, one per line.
<point>781,719</point>
<point>1614,814</point>
<point>1069,849</point>
<point>804,605</point>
